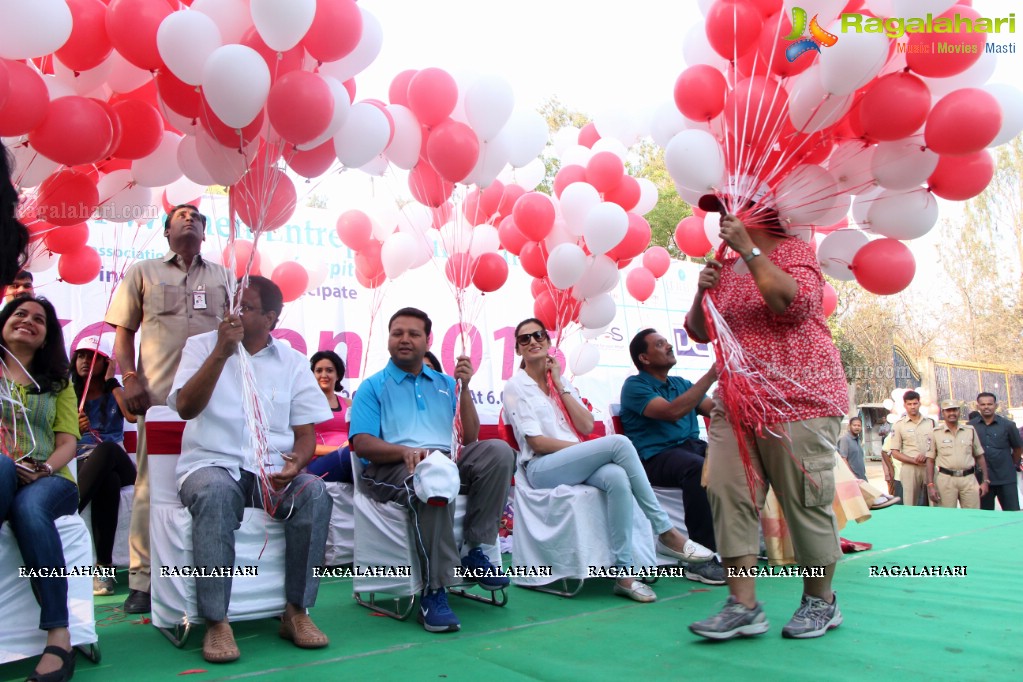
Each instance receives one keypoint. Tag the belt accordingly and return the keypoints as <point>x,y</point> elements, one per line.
<point>958,473</point>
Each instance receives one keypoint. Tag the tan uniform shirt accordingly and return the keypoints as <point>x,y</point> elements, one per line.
<point>912,438</point>
<point>167,305</point>
<point>959,450</point>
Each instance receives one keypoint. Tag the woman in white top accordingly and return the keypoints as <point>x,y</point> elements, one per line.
<point>550,424</point>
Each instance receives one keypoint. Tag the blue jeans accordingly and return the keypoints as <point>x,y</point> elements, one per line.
<point>334,467</point>
<point>612,465</point>
<point>32,510</point>
<point>217,502</point>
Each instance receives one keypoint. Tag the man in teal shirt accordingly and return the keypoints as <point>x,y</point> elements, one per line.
<point>659,416</point>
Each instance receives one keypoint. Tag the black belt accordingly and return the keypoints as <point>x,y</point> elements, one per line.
<point>958,473</point>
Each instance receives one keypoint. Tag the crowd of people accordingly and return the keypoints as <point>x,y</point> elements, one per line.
<point>195,353</point>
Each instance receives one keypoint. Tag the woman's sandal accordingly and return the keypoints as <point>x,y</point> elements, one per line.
<point>65,672</point>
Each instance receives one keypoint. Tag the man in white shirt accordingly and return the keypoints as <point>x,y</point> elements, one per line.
<point>218,475</point>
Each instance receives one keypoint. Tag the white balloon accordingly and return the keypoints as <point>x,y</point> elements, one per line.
<point>226,165</point>
<point>648,196</point>
<point>712,229</point>
<point>415,218</point>
<point>161,167</point>
<point>577,200</point>
<point>597,311</point>
<point>809,195</point>
<point>694,160</point>
<point>1010,99</point>
<point>492,160</point>
<point>404,149</point>
<point>376,166</point>
<point>318,271</point>
<point>564,138</point>
<point>488,105</point>
<point>974,76</point>
<point>282,23</point>
<point>527,136</point>
<point>601,276</point>
<point>850,164</point>
<point>595,333</point>
<point>903,164</point>
<point>576,155</point>
<point>559,235</point>
<point>583,358</point>
<point>183,190</point>
<point>367,49</point>
<point>903,215</point>
<point>919,8</point>
<point>484,240</point>
<point>33,29</point>
<point>56,89</point>
<point>861,204</point>
<point>235,82</point>
<point>528,177</point>
<point>190,163</point>
<point>269,257</point>
<point>456,237</point>
<point>363,136</point>
<point>617,125</point>
<point>853,61</point>
<point>231,17</point>
<point>881,8</point>
<point>342,107</point>
<point>398,253</point>
<point>811,107</point>
<point>91,83</point>
<point>121,201</point>
<point>696,49</point>
<point>610,144</point>
<point>836,252</point>
<point>566,265</point>
<point>30,167</point>
<point>604,227</point>
<point>185,40</point>
<point>125,76</point>
<point>666,122</point>
<point>827,10</point>
<point>41,259</point>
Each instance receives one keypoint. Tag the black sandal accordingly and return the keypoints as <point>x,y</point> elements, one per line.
<point>62,674</point>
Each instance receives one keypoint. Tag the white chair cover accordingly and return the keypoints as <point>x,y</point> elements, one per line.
<point>341,536</point>
<point>120,554</point>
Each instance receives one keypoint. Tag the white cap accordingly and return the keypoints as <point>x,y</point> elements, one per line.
<point>436,479</point>
<point>100,344</point>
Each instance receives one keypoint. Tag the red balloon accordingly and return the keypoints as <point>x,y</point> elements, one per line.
<point>369,282</point>
<point>733,28</point>
<point>924,59</point>
<point>178,96</point>
<point>637,238</point>
<point>471,207</point>
<point>536,286</point>
<point>67,239</point>
<point>657,260</point>
<point>453,150</point>
<point>700,92</point>
<point>5,84</point>
<point>895,106</point>
<point>67,198</point>
<point>511,236</point>
<point>490,198</point>
<point>141,129</point>
<point>640,283</point>
<point>442,215</point>
<point>367,260</point>
<point>233,138</point>
<point>279,63</point>
<point>958,178</point>
<point>545,310</point>
<point>243,251</point>
<point>132,26</point>
<point>265,199</point>
<point>690,237</point>
<point>116,130</point>
<point>458,270</point>
<point>427,187</point>
<point>771,48</point>
<point>355,229</point>
<point>76,130</point>
<point>768,7</point>
<point>840,225</point>
<point>756,107</point>
<point>566,176</point>
<point>292,279</point>
<point>300,106</point>
<point>88,44</point>
<point>830,299</point>
<point>510,195</point>
<point>312,163</point>
<point>884,266</point>
<point>168,207</point>
<point>79,267</point>
<point>604,171</point>
<point>397,93</point>
<point>962,122</point>
<point>626,193</point>
<point>534,215</point>
<point>336,29</point>
<point>588,135</point>
<point>533,257</point>
<point>432,95</point>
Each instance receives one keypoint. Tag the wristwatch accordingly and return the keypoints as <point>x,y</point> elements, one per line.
<point>752,254</point>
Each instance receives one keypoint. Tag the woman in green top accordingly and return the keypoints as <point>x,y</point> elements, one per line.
<point>38,435</point>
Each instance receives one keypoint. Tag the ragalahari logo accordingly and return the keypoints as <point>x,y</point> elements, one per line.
<point>818,36</point>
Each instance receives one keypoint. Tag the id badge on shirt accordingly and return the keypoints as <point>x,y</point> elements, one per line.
<point>199,299</point>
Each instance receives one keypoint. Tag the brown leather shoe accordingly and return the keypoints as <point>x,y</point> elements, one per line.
<point>218,646</point>
<point>301,630</point>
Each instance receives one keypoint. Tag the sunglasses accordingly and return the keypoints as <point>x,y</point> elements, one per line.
<point>538,335</point>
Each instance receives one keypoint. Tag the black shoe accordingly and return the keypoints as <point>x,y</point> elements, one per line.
<point>137,602</point>
<point>65,672</point>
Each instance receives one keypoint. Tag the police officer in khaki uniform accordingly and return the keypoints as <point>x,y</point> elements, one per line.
<point>955,453</point>
<point>911,441</point>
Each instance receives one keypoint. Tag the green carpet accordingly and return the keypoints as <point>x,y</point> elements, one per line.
<point>946,628</point>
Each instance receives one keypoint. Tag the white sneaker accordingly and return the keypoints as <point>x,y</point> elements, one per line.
<point>692,552</point>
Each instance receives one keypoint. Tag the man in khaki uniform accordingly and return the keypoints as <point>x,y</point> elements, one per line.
<point>167,300</point>
<point>911,441</point>
<point>955,453</point>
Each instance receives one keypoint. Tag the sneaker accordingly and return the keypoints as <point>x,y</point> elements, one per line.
<point>692,552</point>
<point>137,602</point>
<point>103,586</point>
<point>813,618</point>
<point>435,614</point>
<point>476,567</point>
<point>732,621</point>
<point>710,573</point>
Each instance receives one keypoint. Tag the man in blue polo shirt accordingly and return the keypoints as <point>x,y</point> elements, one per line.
<point>659,416</point>
<point>399,416</point>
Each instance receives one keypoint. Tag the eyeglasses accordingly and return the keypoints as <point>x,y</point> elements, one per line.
<point>538,335</point>
<point>245,308</point>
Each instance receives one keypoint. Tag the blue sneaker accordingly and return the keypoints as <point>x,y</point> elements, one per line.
<point>435,614</point>
<point>476,567</point>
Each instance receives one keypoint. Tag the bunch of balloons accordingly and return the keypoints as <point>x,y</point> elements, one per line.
<point>882,124</point>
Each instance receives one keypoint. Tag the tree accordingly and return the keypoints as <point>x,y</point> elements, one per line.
<point>670,208</point>
<point>558,116</point>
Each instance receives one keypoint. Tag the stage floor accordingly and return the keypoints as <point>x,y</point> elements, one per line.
<point>908,628</point>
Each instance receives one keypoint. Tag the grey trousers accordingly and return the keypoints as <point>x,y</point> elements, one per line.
<point>217,502</point>
<point>485,468</point>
